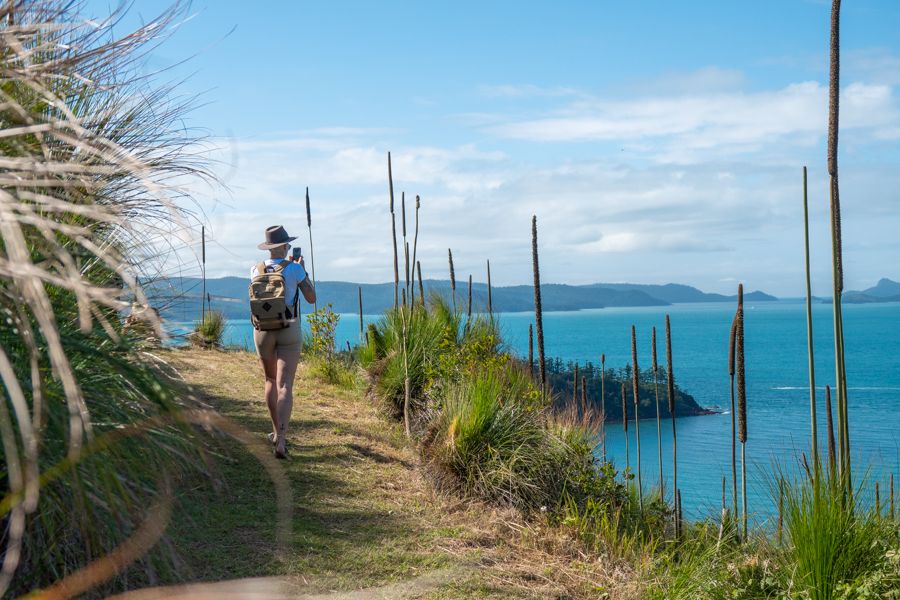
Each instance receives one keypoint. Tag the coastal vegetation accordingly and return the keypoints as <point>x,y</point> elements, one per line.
<point>94,440</point>
<point>209,330</point>
<point>426,426</point>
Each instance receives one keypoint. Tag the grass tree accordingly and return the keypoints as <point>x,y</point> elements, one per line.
<point>843,429</point>
<point>809,335</point>
<point>731,374</point>
<point>538,311</point>
<point>452,278</point>
<point>625,424</point>
<point>655,367</point>
<point>312,256</point>
<point>741,402</point>
<point>636,396</point>
<point>394,234</point>
<point>670,390</point>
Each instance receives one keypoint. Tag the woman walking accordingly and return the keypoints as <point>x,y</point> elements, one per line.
<point>275,289</point>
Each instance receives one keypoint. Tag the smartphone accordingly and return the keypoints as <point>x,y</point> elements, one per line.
<point>297,253</point>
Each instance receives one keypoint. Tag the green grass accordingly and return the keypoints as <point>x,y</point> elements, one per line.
<point>833,541</point>
<point>350,528</point>
<point>98,433</point>
<point>832,549</point>
<point>208,331</point>
<point>441,349</point>
<point>362,514</point>
<point>485,441</point>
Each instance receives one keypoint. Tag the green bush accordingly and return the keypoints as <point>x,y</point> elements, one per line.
<point>441,351</point>
<point>485,442</point>
<point>208,332</point>
<point>340,369</point>
<point>322,325</point>
<point>490,438</point>
<point>429,335</point>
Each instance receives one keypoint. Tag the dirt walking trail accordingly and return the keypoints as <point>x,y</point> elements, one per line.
<point>365,524</point>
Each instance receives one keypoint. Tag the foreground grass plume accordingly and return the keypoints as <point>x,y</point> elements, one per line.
<point>394,234</point>
<point>452,277</point>
<point>538,312</point>
<point>655,367</point>
<point>670,389</point>
<point>635,383</point>
<point>731,374</point>
<point>741,401</point>
<point>87,208</point>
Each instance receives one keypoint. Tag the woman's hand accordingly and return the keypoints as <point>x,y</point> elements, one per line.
<point>300,262</point>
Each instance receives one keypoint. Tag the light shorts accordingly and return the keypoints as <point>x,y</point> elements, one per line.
<point>270,343</point>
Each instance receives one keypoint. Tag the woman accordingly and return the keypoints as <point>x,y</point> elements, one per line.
<point>279,349</point>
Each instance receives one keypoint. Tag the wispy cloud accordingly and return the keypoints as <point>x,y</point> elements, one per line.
<point>706,190</point>
<point>695,127</point>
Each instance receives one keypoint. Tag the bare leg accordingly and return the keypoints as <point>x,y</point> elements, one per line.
<point>287,368</point>
<point>269,360</point>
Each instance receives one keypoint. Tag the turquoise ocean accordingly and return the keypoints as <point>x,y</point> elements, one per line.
<point>777,385</point>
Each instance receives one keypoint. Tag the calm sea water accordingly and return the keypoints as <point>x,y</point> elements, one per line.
<point>777,385</point>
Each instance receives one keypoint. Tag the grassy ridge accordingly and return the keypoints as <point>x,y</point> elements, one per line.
<point>364,516</point>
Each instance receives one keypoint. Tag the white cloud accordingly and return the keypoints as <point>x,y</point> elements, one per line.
<point>705,80</point>
<point>706,191</point>
<point>695,127</point>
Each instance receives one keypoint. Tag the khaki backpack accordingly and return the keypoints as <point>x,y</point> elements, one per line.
<point>269,308</point>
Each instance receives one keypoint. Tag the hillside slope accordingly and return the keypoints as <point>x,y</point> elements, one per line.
<point>179,298</point>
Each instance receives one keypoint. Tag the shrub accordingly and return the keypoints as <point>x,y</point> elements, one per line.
<point>430,334</point>
<point>485,442</point>
<point>322,324</point>
<point>491,438</point>
<point>209,331</point>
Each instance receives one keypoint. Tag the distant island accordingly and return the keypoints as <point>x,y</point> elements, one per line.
<point>885,290</point>
<point>179,298</point>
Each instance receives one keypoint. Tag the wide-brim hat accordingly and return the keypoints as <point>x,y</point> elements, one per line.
<point>275,236</point>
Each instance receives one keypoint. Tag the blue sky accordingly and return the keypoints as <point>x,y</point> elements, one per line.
<point>656,141</point>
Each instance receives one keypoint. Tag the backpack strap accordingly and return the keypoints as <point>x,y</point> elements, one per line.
<point>260,268</point>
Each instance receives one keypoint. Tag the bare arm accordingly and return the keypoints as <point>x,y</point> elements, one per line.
<point>306,286</point>
<point>309,292</point>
